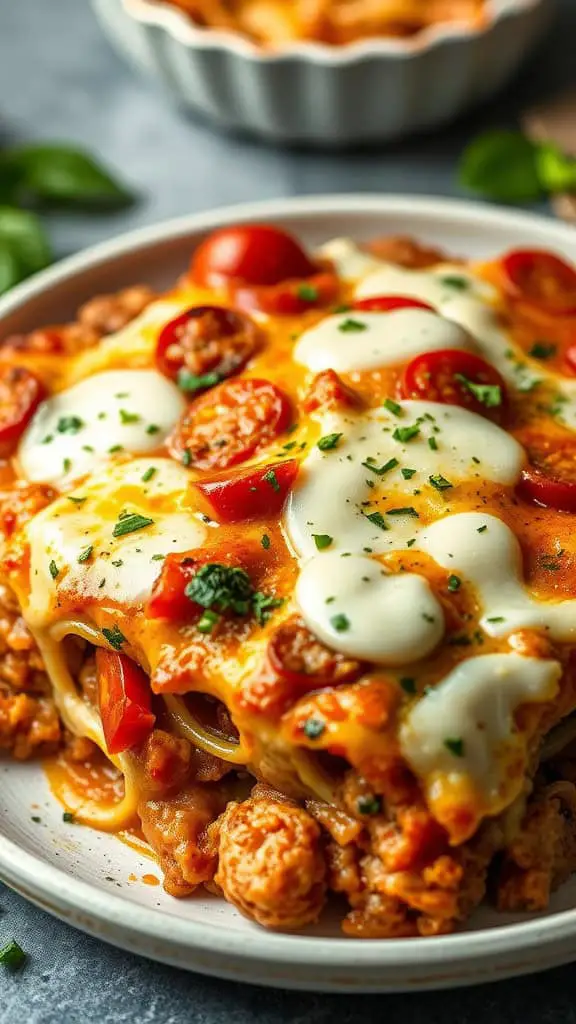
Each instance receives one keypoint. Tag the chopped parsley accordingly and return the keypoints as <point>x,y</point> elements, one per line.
<point>118,562</point>
<point>207,622</point>
<point>76,501</point>
<point>53,569</point>
<point>271,478</point>
<point>352,325</point>
<point>225,588</point>
<point>406,433</point>
<point>307,292</point>
<point>322,540</point>
<point>496,618</point>
<point>69,424</point>
<point>408,473</point>
<point>85,554</point>
<point>152,428</point>
<point>340,623</point>
<point>408,684</point>
<point>378,519</point>
<point>369,804</point>
<point>48,439</point>
<point>129,522</point>
<point>489,395</point>
<point>313,728</point>
<point>409,510</point>
<point>381,470</point>
<point>433,444</point>
<point>482,529</point>
<point>115,637</point>
<point>115,448</point>
<point>68,817</point>
<point>128,417</point>
<point>440,482</point>
<point>455,745</point>
<point>392,407</point>
<point>67,465</point>
<point>12,956</point>
<point>148,474</point>
<point>454,583</point>
<point>543,350</point>
<point>459,284</point>
<point>192,382</point>
<point>186,459</point>
<point>265,541</point>
<point>329,441</point>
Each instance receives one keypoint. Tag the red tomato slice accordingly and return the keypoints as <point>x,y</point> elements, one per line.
<point>541,279</point>
<point>124,700</point>
<point>228,424</point>
<point>328,391</point>
<point>206,342</point>
<point>249,493</point>
<point>456,378</point>
<point>570,358</point>
<point>291,297</point>
<point>168,599</point>
<point>550,479</point>
<point>387,303</point>
<point>20,395</point>
<point>251,254</point>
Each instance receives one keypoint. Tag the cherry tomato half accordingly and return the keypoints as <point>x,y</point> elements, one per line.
<point>251,254</point>
<point>291,297</point>
<point>550,479</point>
<point>228,424</point>
<point>124,700</point>
<point>541,279</point>
<point>205,340</point>
<point>249,493</point>
<point>388,303</point>
<point>20,395</point>
<point>328,391</point>
<point>456,378</point>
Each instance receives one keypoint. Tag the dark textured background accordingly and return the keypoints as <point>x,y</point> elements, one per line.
<point>60,80</point>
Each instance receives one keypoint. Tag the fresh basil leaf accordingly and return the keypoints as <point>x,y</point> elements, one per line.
<point>11,271</point>
<point>23,233</point>
<point>502,165</point>
<point>62,175</point>
<point>556,171</point>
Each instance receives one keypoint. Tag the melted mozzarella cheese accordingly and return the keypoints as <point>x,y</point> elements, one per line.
<point>75,431</point>
<point>337,490</point>
<point>377,339</point>
<point>350,262</point>
<point>460,738</point>
<point>115,569</point>
<point>356,607</point>
<point>486,553</point>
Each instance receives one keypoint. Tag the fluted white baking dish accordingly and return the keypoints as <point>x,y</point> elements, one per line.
<point>366,91</point>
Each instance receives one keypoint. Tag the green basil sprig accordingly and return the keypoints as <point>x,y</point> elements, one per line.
<point>508,167</point>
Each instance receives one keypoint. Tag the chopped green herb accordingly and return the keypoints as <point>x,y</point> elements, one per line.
<point>378,519</point>
<point>543,350</point>
<point>186,459</point>
<point>381,470</point>
<point>115,448</point>
<point>192,382</point>
<point>406,433</point>
<point>36,819</point>
<point>85,554</point>
<point>122,394</point>
<point>482,529</point>
<point>68,817</point>
<point>369,804</point>
<point>340,309</point>
<point>87,448</point>
<point>155,558</point>
<point>12,956</point>
<point>271,478</point>
<point>53,569</point>
<point>227,589</point>
<point>152,428</point>
<point>128,417</point>
<point>148,474</point>
<point>69,424</point>
<point>455,746</point>
<point>440,482</point>
<point>129,523</point>
<point>340,623</point>
<point>265,541</point>
<point>117,563</point>
<point>115,637</point>
<point>352,325</point>
<point>409,510</point>
<point>313,728</point>
<point>408,684</point>
<point>207,622</point>
<point>76,501</point>
<point>459,284</point>
<point>408,473</point>
<point>433,444</point>
<point>307,292</point>
<point>454,583</point>
<point>263,606</point>
<point>496,618</point>
<point>67,465</point>
<point>489,395</point>
<point>393,407</point>
<point>474,459</point>
<point>329,441</point>
<point>322,540</point>
<point>411,542</point>
<point>48,439</point>
<point>291,444</point>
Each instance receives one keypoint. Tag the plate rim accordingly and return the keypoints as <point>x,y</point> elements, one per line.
<point>64,895</point>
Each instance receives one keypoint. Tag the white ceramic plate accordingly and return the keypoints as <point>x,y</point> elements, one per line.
<point>92,880</point>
